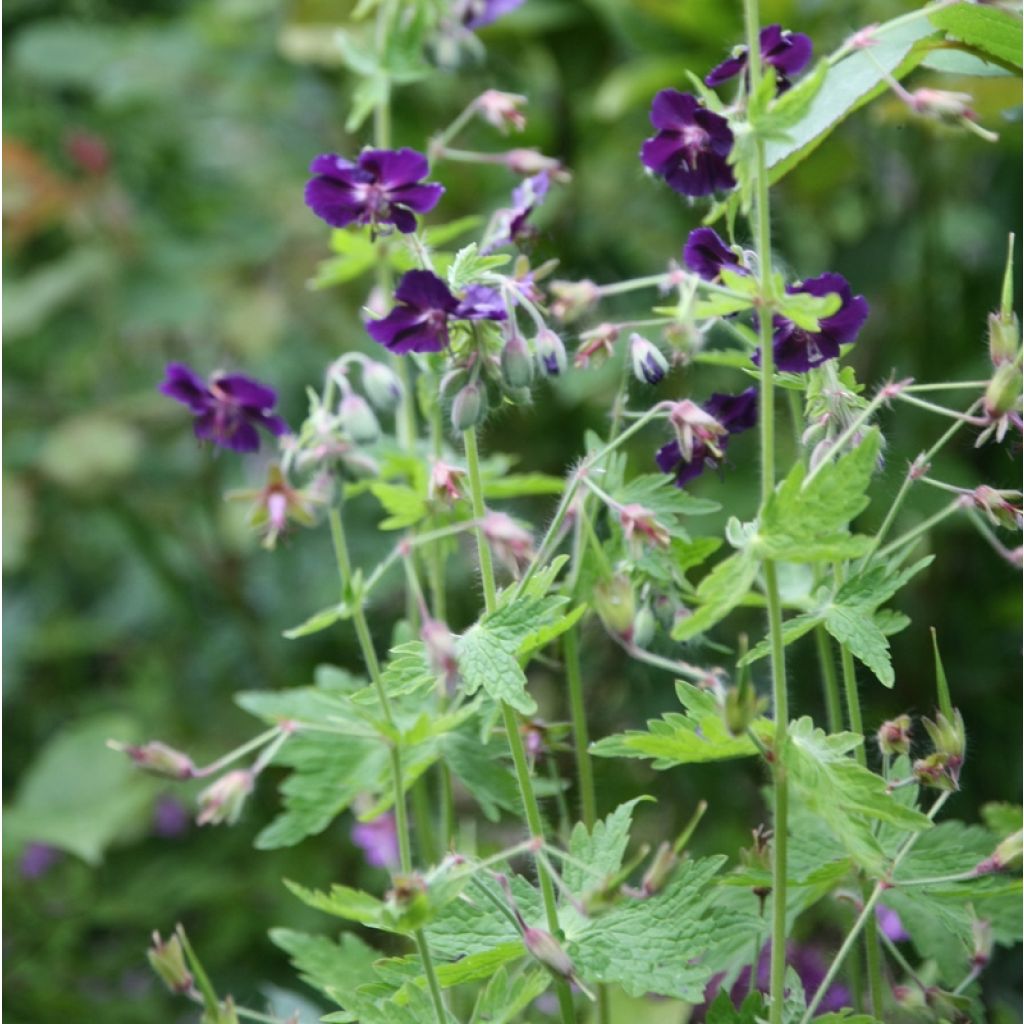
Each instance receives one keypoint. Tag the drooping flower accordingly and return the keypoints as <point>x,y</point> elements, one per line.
<point>707,255</point>
<point>691,146</point>
<point>228,408</point>
<point>702,433</point>
<point>276,504</point>
<point>649,365</point>
<point>511,225</point>
<point>383,186</point>
<point>419,323</point>
<point>378,839</point>
<point>798,350</point>
<point>475,14</point>
<point>787,52</point>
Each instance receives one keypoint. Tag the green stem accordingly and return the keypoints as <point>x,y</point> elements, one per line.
<point>912,535</point>
<point>581,739</point>
<point>830,684</point>
<point>509,719</point>
<point>373,667</point>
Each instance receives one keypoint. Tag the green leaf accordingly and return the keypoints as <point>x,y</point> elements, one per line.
<point>324,964</point>
<point>809,523</point>
<point>469,266</point>
<point>807,310</point>
<point>523,485</point>
<point>601,849</point>
<point>719,592</point>
<point>342,901</point>
<point>321,620</point>
<point>792,630</point>
<point>405,506</point>
<point>991,29</point>
<point>696,737</point>
<point>481,769</point>
<point>857,630</point>
<point>504,998</point>
<point>484,661</point>
<point>792,106</point>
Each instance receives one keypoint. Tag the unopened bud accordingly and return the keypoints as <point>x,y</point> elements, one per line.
<point>894,736</point>
<point>998,509</point>
<point>382,386</point>
<point>984,942</point>
<point>512,545</point>
<point>615,606</point>
<point>598,344</point>
<point>933,771</point>
<point>740,709</point>
<point>942,104</point>
<point>157,759</point>
<point>573,298</point>
<point>532,161</point>
<point>1003,337</point>
<point>168,961</point>
<point>516,362</point>
<point>644,625</point>
<point>550,353</point>
<point>222,802</point>
<point>501,109</point>
<point>649,365</point>
<point>664,863</point>
<point>1006,854</point>
<point>444,481</point>
<point>358,419</point>
<point>1003,391</point>
<point>544,947</point>
<point>639,520</point>
<point>440,645</point>
<point>469,407</point>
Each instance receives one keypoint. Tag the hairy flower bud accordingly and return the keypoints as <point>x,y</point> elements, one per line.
<point>1003,337</point>
<point>469,407</point>
<point>511,544</point>
<point>644,625</point>
<point>615,605</point>
<point>545,948</point>
<point>516,362</point>
<point>1003,391</point>
<point>501,109</point>
<point>550,353</point>
<point>894,736</point>
<point>573,298</point>
<point>382,386</point>
<point>157,759</point>
<point>222,802</point>
<point>358,419</point>
<point>444,481</point>
<point>1007,853</point>
<point>638,519</point>
<point>649,365</point>
<point>983,941</point>
<point>168,961</point>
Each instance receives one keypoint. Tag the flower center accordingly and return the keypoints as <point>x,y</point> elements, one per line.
<point>694,140</point>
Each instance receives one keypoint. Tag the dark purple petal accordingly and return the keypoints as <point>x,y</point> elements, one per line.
<point>720,137</point>
<point>245,391</point>
<point>171,818</point>
<point>726,70</point>
<point>672,110</point>
<point>425,291</point>
<point>706,254</point>
<point>186,387</point>
<point>232,431</point>
<point>333,166</point>
<point>670,460</point>
<point>274,424</point>
<point>661,152</point>
<point>37,859</point>
<point>735,412</point>
<point>421,198</point>
<point>788,52</point>
<point>478,13</point>
<point>709,174</point>
<point>402,218</point>
<point>332,202</point>
<point>406,329</point>
<point>843,325</point>
<point>668,456</point>
<point>481,303</point>
<point>797,350</point>
<point>394,167</point>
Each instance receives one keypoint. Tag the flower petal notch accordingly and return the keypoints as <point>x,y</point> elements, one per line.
<point>788,52</point>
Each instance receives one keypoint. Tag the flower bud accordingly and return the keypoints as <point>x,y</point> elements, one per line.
<point>1003,337</point>
<point>532,161</point>
<point>440,645</point>
<point>382,386</point>
<point>516,362</point>
<point>512,545</point>
<point>741,707</point>
<point>444,481</point>
<point>933,771</point>
<point>573,298</point>
<point>222,802</point>
<point>649,365</point>
<point>947,735</point>
<point>598,344</point>
<point>469,407</point>
<point>664,863</point>
<point>984,942</point>
<point>168,961</point>
<point>894,736</point>
<point>406,902</point>
<point>544,947</point>
<point>157,759</point>
<point>1007,853</point>
<point>615,606</point>
<point>1003,391</point>
<point>550,353</point>
<point>638,519</point>
<point>644,625</point>
<point>358,419</point>
<point>942,104</point>
<point>501,109</point>
<point>998,510</point>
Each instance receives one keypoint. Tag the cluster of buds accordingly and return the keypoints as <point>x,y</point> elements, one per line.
<point>1002,400</point>
<point>941,768</point>
<point>894,736</point>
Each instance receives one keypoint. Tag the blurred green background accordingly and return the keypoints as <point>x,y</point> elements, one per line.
<point>153,172</point>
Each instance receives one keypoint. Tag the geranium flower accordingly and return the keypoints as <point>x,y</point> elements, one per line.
<point>702,433</point>
<point>228,408</point>
<point>707,255</point>
<point>787,52</point>
<point>798,350</point>
<point>383,186</point>
<point>511,224</point>
<point>378,839</point>
<point>691,146</point>
<point>476,14</point>
<point>419,323</point>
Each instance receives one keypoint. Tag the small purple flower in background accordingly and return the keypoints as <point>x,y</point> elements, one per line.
<point>787,52</point>
<point>702,433</point>
<point>37,859</point>
<point>511,225</point>
<point>476,14</point>
<point>797,350</point>
<point>890,924</point>
<point>707,255</point>
<point>691,146</point>
<point>383,186</point>
<point>419,323</point>
<point>171,818</point>
<point>228,408</point>
<point>378,840</point>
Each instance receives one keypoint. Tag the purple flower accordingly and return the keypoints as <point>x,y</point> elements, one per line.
<point>707,255</point>
<point>511,224</point>
<point>228,409</point>
<point>419,323</point>
<point>702,434</point>
<point>378,840</point>
<point>37,859</point>
<point>797,350</point>
<point>171,818</point>
<point>691,146</point>
<point>787,52</point>
<point>890,924</point>
<point>476,14</point>
<point>383,186</point>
